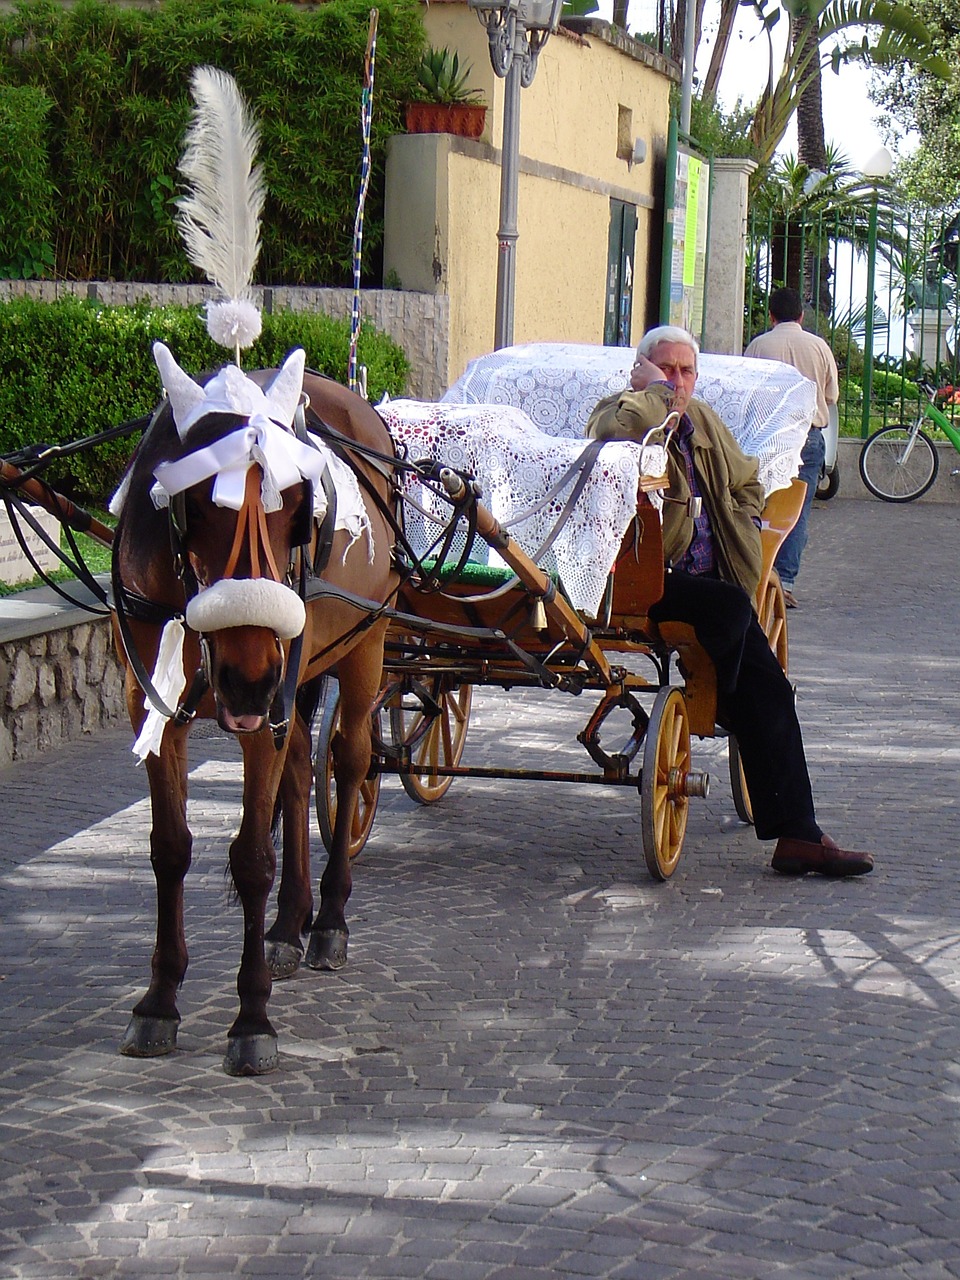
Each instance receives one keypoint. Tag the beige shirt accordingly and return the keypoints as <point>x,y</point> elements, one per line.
<point>790,342</point>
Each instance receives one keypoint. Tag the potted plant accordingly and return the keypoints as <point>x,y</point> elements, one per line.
<point>445,104</point>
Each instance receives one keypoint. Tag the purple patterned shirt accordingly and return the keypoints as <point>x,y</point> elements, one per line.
<point>700,556</point>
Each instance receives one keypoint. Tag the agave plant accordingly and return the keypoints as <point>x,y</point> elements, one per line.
<point>442,79</point>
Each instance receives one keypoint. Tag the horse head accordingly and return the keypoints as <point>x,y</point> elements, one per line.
<point>238,488</point>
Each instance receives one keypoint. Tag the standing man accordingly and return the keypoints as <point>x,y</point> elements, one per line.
<point>807,352</point>
<point>713,554</point>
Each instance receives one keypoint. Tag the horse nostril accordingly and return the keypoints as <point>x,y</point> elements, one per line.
<point>244,696</point>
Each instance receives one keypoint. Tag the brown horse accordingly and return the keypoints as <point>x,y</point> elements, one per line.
<point>166,563</point>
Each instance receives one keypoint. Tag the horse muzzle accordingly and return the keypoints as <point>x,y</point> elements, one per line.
<point>245,666</point>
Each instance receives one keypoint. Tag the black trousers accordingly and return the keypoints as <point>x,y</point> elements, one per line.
<point>755,700</point>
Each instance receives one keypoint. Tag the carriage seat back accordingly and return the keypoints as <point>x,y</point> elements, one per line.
<point>780,513</point>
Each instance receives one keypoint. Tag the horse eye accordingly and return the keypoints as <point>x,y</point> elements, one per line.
<point>193,508</point>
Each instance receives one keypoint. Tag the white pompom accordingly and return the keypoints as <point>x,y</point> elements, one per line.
<point>233,324</point>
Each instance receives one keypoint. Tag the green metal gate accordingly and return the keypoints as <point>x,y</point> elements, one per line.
<point>880,284</point>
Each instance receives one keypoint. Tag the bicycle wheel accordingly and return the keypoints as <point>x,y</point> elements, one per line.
<point>828,485</point>
<point>897,464</point>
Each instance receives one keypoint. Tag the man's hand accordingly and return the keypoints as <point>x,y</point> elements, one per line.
<point>643,373</point>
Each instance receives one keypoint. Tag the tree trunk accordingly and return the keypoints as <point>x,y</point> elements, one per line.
<point>812,151</point>
<point>678,27</point>
<point>677,22</point>
<point>728,12</point>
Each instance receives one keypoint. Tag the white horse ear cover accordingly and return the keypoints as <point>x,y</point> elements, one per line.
<point>284,392</point>
<point>231,391</point>
<point>184,394</point>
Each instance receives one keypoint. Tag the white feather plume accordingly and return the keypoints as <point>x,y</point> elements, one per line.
<point>220,213</point>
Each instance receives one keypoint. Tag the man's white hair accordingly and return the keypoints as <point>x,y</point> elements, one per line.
<point>667,333</point>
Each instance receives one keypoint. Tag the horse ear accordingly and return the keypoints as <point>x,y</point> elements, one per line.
<point>183,393</point>
<point>284,392</point>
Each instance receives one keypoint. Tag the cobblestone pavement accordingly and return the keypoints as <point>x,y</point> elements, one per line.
<point>538,1061</point>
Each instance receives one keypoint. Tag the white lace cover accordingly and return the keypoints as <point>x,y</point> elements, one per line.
<point>767,405</point>
<point>517,466</point>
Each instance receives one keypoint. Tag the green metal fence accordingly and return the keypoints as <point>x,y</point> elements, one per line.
<point>880,284</point>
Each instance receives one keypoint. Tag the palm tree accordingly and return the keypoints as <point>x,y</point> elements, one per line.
<point>803,212</point>
<point>871,31</point>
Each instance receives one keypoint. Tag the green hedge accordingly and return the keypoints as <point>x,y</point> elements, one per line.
<point>115,82</point>
<point>73,368</point>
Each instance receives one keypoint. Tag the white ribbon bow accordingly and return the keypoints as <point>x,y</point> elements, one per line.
<point>284,459</point>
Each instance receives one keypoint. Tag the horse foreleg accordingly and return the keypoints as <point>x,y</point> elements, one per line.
<point>152,1030</point>
<point>284,949</point>
<point>252,1041</point>
<point>360,673</point>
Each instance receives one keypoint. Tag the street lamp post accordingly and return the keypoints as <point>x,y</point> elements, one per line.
<point>516,31</point>
<point>876,168</point>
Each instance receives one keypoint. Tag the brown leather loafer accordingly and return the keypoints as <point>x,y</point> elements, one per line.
<point>798,857</point>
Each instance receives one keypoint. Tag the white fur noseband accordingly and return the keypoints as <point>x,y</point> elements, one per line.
<point>247,602</point>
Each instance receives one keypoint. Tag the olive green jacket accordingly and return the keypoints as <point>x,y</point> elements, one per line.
<point>732,494</point>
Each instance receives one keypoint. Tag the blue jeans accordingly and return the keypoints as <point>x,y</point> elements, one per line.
<point>787,562</point>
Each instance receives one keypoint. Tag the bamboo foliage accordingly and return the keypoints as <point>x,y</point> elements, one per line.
<point>117,83</point>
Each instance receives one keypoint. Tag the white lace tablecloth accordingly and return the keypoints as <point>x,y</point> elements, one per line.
<point>517,466</point>
<point>767,405</point>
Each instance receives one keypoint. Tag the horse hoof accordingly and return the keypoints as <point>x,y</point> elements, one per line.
<point>251,1055</point>
<point>327,949</point>
<point>149,1037</point>
<point>283,960</point>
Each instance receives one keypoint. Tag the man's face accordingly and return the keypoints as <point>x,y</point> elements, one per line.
<point>679,365</point>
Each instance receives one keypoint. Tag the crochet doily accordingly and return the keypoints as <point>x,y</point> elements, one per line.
<point>516,466</point>
<point>768,406</point>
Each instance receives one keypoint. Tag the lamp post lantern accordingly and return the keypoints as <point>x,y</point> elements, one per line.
<point>516,31</point>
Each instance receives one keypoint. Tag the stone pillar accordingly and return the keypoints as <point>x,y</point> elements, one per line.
<point>727,256</point>
<point>930,332</point>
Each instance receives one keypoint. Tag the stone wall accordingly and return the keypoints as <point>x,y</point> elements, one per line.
<point>417,322</point>
<point>58,685</point>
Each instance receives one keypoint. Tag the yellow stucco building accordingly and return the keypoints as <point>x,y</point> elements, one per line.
<point>592,149</point>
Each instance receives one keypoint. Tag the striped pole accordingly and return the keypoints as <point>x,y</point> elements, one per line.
<point>366,113</point>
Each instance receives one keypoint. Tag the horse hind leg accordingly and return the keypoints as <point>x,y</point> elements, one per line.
<point>284,948</point>
<point>152,1030</point>
<point>360,674</point>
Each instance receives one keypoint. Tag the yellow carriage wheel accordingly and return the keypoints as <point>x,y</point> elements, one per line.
<point>444,734</point>
<point>738,783</point>
<point>773,618</point>
<point>664,802</point>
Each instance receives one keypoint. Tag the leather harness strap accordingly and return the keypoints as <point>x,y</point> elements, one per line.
<point>252,523</point>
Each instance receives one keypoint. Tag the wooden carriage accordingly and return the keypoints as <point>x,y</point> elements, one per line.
<point>512,626</point>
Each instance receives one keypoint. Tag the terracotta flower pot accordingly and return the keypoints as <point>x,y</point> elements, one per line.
<point>465,119</point>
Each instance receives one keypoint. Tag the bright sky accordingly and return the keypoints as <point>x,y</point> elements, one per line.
<point>848,112</point>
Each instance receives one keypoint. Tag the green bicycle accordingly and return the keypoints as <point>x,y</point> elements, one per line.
<point>899,463</point>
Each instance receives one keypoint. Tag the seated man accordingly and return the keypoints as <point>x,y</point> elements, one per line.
<point>713,561</point>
